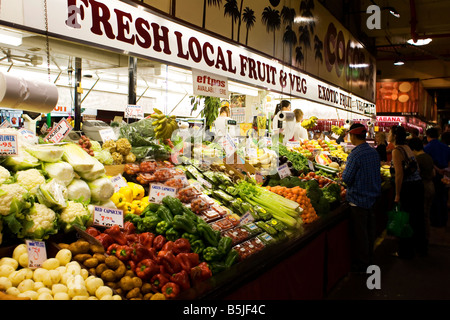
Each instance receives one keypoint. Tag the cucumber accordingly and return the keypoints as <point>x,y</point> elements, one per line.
<point>326,168</point>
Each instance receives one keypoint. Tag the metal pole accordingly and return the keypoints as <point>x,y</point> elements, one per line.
<point>77,95</point>
<point>132,80</point>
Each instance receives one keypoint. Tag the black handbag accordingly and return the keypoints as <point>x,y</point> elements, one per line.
<point>409,164</point>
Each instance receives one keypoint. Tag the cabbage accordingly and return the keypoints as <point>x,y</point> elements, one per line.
<point>79,159</point>
<point>95,145</point>
<point>45,152</point>
<point>79,190</point>
<point>104,156</point>
<point>53,194</point>
<point>96,172</point>
<point>61,171</point>
<point>102,189</point>
<point>22,161</point>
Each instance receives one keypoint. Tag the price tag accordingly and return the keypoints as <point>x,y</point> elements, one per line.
<point>108,217</point>
<point>59,131</point>
<point>284,171</point>
<point>5,124</point>
<point>44,128</point>
<point>334,136</point>
<point>246,218</point>
<point>118,182</point>
<point>158,191</point>
<point>8,145</point>
<point>229,145</point>
<point>293,144</point>
<point>107,134</point>
<point>37,253</point>
<point>259,177</point>
<point>252,153</point>
<point>311,166</point>
<point>204,183</point>
<point>133,111</point>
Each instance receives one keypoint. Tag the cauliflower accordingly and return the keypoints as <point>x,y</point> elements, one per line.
<point>123,146</point>
<point>77,214</point>
<point>109,145</point>
<point>40,222</point>
<point>4,174</point>
<point>117,158</point>
<point>9,192</point>
<point>30,179</point>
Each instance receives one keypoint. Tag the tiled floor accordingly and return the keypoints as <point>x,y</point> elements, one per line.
<point>422,278</point>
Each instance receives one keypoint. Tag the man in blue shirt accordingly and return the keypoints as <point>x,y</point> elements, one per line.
<point>363,179</point>
<point>440,153</point>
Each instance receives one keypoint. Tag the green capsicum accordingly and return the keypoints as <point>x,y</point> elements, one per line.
<point>190,236</point>
<point>173,204</point>
<point>172,234</point>
<point>211,254</point>
<point>162,227</point>
<point>184,222</point>
<point>164,214</point>
<point>231,258</point>
<point>197,246</point>
<point>209,234</point>
<point>217,267</point>
<point>148,223</point>
<point>224,245</point>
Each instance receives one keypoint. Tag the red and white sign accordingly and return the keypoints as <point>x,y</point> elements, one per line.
<point>59,131</point>
<point>206,84</point>
<point>390,119</point>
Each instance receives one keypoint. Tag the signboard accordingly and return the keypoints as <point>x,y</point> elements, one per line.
<point>59,131</point>
<point>158,191</point>
<point>107,134</point>
<point>108,217</point>
<point>207,84</point>
<point>134,112</point>
<point>8,145</point>
<point>118,26</point>
<point>118,182</point>
<point>37,253</point>
<point>391,119</point>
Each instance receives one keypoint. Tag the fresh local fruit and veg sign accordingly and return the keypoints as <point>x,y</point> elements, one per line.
<point>116,25</point>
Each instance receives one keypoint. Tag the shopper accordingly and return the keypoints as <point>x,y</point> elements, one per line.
<point>363,180</point>
<point>299,132</point>
<point>380,139</point>
<point>427,173</point>
<point>220,124</point>
<point>409,193</point>
<point>440,153</point>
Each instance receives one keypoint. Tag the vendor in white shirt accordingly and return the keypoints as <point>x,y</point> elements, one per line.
<point>220,124</point>
<point>299,132</point>
<point>284,105</point>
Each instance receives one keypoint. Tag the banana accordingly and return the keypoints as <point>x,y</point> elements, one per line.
<point>157,116</point>
<point>157,111</point>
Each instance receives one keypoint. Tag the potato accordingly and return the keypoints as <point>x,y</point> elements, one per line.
<point>84,273</point>
<point>73,268</point>
<point>50,264</point>
<point>59,287</point>
<point>38,274</point>
<point>61,269</point>
<point>130,273</point>
<point>43,290</point>
<point>96,249</point>
<point>100,268</point>
<point>117,297</point>
<point>81,257</point>
<point>146,288</point>
<point>47,280</point>
<point>33,295</point>
<point>19,250</point>
<point>134,293</point>
<point>103,291</point>
<point>80,297</point>
<point>23,260</point>
<point>100,257</point>
<point>28,273</point>
<point>12,291</point>
<point>38,285</point>
<point>79,246</point>
<point>63,245</point>
<point>5,283</point>
<point>25,285</point>
<point>45,296</point>
<point>92,284</point>
<point>91,263</point>
<point>61,296</point>
<point>108,275</point>
<point>6,270</point>
<point>158,296</point>
<point>92,298</point>
<point>16,277</point>
<point>64,256</point>
<point>9,261</point>
<point>126,283</point>
<point>137,282</point>
<point>65,277</point>
<point>147,296</point>
<point>107,297</point>
<point>112,262</point>
<point>120,271</point>
<point>55,276</point>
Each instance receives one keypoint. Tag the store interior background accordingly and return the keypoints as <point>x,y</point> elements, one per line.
<point>105,73</point>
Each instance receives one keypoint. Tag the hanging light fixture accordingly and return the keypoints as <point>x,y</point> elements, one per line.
<point>398,62</point>
<point>419,42</point>
<point>392,11</point>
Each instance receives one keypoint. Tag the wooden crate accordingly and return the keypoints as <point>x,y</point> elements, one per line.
<point>114,170</point>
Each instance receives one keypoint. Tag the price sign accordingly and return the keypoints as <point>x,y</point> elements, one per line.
<point>334,136</point>
<point>118,182</point>
<point>8,145</point>
<point>133,111</point>
<point>158,191</point>
<point>284,171</point>
<point>5,124</point>
<point>259,177</point>
<point>311,166</point>
<point>246,218</point>
<point>228,145</point>
<point>252,153</point>
<point>37,253</point>
<point>107,134</point>
<point>204,183</point>
<point>44,128</point>
<point>293,144</point>
<point>59,131</point>
<point>108,217</point>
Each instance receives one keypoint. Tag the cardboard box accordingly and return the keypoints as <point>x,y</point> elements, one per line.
<point>114,170</point>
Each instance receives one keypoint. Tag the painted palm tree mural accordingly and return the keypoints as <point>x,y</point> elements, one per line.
<point>299,55</point>
<point>249,18</point>
<point>231,9</point>
<point>289,36</point>
<point>318,47</point>
<point>271,18</point>
<point>206,3</point>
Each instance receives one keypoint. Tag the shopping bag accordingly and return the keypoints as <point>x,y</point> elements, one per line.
<point>398,223</point>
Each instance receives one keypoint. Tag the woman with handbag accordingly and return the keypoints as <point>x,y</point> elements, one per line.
<point>409,193</point>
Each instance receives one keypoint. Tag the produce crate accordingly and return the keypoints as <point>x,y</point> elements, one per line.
<point>114,170</point>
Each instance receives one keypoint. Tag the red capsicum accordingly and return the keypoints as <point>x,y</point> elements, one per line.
<point>158,281</point>
<point>188,260</point>
<point>200,272</point>
<point>92,231</point>
<point>159,242</point>
<point>129,228</point>
<point>146,239</point>
<point>132,238</point>
<point>139,252</point>
<point>105,240</point>
<point>168,246</point>
<point>117,234</point>
<point>170,290</point>
<point>182,279</point>
<point>131,265</point>
<point>112,249</point>
<point>168,260</point>
<point>146,268</point>
<point>123,253</point>
<point>181,245</point>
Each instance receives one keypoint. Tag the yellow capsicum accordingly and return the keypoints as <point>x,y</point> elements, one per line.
<point>127,192</point>
<point>118,199</point>
<point>138,190</point>
<point>138,206</point>
<point>128,208</point>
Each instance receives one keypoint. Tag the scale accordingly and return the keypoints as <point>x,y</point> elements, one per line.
<point>288,122</point>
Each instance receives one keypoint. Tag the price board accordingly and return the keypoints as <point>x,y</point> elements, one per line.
<point>8,145</point>
<point>118,182</point>
<point>107,134</point>
<point>37,253</point>
<point>134,112</point>
<point>158,191</point>
<point>5,124</point>
<point>108,217</point>
<point>284,171</point>
<point>59,131</point>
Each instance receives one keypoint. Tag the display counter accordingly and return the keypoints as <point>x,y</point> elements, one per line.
<point>303,267</point>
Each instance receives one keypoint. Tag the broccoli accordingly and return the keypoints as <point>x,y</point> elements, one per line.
<point>323,206</point>
<point>334,190</point>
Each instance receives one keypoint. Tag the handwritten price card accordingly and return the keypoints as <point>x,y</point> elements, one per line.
<point>158,191</point>
<point>108,217</point>
<point>59,131</point>
<point>8,145</point>
<point>37,253</point>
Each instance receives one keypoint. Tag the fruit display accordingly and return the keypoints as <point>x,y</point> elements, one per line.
<point>309,123</point>
<point>85,143</point>
<point>340,131</point>
<point>264,162</point>
<point>164,125</point>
